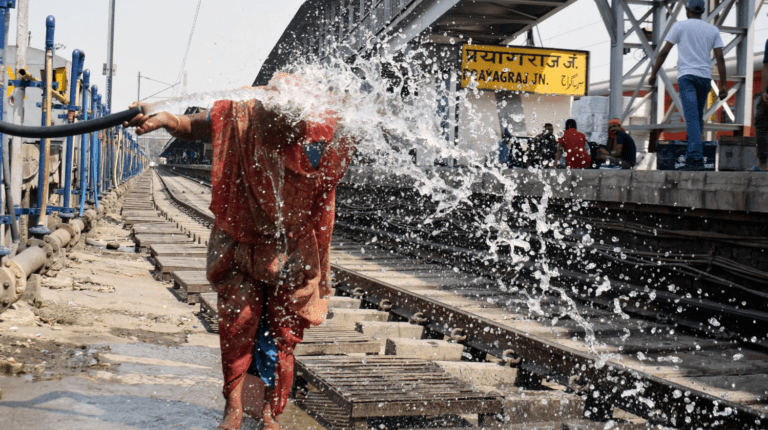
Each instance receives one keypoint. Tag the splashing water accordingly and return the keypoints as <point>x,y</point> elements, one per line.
<point>394,115</point>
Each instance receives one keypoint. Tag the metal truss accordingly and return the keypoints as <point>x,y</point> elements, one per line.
<point>323,28</point>
<point>352,24</point>
<point>647,32</point>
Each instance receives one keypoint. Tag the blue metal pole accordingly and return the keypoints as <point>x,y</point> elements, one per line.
<point>111,178</point>
<point>4,20</point>
<point>133,158</point>
<point>84,142</point>
<point>126,155</point>
<point>94,146</point>
<point>77,69</point>
<point>105,162</point>
<point>99,155</point>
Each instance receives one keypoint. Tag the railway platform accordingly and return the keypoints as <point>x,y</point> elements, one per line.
<point>713,191</point>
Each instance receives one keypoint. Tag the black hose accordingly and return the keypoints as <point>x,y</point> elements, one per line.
<point>73,129</point>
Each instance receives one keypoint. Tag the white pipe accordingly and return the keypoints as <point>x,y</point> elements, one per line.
<point>22,40</point>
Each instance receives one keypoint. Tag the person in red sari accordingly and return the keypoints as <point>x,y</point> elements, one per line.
<point>573,146</point>
<point>268,255</point>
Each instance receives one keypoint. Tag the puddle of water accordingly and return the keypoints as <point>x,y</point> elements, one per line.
<point>129,249</point>
<point>153,360</point>
<point>91,403</point>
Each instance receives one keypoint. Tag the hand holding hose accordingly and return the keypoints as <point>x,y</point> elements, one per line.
<point>147,123</point>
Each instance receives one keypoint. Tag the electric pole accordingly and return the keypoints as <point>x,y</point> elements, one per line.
<point>110,53</point>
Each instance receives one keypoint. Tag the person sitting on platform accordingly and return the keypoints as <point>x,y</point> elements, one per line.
<point>544,147</point>
<point>761,118</point>
<point>620,150</point>
<point>573,144</point>
<point>269,251</point>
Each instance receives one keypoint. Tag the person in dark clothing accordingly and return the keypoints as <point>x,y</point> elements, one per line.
<point>761,118</point>
<point>544,147</point>
<point>620,150</point>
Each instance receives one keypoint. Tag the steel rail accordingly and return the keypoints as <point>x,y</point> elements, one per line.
<point>548,358</point>
<point>694,310</point>
<point>194,209</point>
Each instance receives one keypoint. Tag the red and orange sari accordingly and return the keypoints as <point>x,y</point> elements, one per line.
<point>274,212</point>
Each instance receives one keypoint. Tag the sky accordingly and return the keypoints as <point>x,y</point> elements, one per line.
<point>230,41</point>
<point>232,38</point>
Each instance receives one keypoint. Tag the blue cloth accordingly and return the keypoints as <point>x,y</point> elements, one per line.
<point>264,355</point>
<point>628,148</point>
<point>693,92</point>
<point>695,39</point>
<point>314,152</point>
<point>502,153</point>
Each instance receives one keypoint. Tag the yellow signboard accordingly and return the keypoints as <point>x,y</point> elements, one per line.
<point>60,76</point>
<point>532,70</point>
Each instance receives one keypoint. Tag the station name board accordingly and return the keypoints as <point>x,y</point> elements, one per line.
<point>532,70</point>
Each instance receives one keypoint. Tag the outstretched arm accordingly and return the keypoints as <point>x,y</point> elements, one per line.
<point>184,127</point>
<point>659,62</point>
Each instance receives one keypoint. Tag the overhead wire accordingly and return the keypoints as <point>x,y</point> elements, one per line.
<point>189,43</point>
<point>163,90</point>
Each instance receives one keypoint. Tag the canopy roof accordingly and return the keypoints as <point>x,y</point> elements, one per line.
<point>492,22</point>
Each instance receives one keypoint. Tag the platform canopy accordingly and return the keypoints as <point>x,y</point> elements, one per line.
<point>321,25</point>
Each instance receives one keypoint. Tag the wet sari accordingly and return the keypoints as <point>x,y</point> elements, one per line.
<point>274,214</point>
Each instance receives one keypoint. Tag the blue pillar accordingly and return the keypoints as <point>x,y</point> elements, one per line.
<point>77,69</point>
<point>84,142</point>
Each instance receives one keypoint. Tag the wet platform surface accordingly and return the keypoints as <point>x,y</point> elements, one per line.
<point>112,346</point>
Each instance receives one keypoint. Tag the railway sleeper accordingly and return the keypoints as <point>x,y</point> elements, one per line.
<point>557,358</point>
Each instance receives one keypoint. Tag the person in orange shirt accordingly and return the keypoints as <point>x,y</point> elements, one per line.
<point>573,144</point>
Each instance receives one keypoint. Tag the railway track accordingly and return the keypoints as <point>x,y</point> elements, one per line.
<point>648,367</point>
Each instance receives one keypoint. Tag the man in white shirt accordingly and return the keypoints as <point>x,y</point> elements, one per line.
<point>695,39</point>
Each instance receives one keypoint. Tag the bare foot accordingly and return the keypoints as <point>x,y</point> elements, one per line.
<point>233,411</point>
<point>270,421</point>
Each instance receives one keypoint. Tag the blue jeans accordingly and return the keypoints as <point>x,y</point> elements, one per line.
<point>693,92</point>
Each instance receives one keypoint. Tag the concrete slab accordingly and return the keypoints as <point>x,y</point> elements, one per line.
<point>427,349</point>
<point>166,265</point>
<point>341,302</point>
<point>482,374</point>
<point>525,406</point>
<point>178,250</point>
<point>387,330</point>
<point>145,240</point>
<point>349,317</point>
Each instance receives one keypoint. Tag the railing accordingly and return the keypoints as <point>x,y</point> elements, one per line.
<point>91,164</point>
